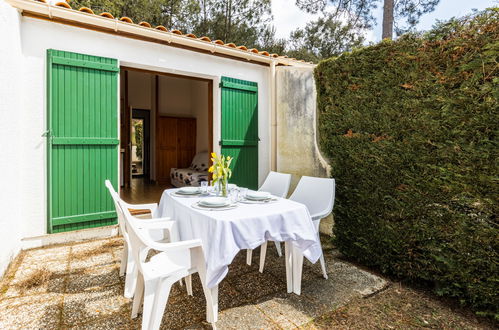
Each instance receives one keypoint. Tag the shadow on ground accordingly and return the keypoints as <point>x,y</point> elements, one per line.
<point>83,289</point>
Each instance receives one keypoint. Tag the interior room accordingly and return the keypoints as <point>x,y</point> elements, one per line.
<point>165,133</point>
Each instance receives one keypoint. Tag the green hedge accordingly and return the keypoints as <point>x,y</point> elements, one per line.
<point>410,128</point>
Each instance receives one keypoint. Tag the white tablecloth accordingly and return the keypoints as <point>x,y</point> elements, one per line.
<point>224,233</point>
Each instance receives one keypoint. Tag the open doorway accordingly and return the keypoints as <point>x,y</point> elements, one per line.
<point>166,124</point>
<point>141,144</point>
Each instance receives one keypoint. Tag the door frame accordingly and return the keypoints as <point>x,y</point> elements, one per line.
<point>126,67</point>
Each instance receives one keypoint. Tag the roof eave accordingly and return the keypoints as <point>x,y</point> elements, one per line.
<point>96,21</point>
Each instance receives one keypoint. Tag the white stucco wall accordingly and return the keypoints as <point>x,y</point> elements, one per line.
<point>297,149</point>
<point>11,116</point>
<point>23,106</point>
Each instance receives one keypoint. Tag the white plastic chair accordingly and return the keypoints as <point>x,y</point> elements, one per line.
<point>156,276</point>
<point>318,196</point>
<point>278,185</point>
<point>127,263</point>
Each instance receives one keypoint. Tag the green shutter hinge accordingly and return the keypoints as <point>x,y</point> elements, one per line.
<point>46,133</point>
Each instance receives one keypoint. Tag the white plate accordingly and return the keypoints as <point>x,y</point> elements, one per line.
<point>189,190</point>
<point>214,202</point>
<point>258,195</point>
<point>223,208</point>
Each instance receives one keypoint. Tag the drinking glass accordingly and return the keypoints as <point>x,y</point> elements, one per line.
<point>204,187</point>
<point>233,195</point>
<point>242,193</point>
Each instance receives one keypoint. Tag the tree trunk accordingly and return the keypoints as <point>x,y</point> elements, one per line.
<point>388,8</point>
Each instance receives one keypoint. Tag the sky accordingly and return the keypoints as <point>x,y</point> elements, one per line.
<point>288,17</point>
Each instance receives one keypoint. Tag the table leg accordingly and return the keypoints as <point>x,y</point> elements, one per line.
<point>212,311</point>
<point>297,269</point>
<point>288,259</point>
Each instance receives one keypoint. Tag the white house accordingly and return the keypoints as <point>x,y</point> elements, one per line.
<point>70,82</point>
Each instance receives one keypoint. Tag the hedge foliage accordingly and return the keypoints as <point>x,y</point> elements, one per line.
<point>410,128</point>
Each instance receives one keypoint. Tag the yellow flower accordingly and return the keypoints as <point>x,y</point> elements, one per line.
<point>214,155</point>
<point>214,176</point>
<point>210,169</point>
<point>229,158</point>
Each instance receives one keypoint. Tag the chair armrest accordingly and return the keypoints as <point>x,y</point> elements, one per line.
<point>158,223</point>
<point>182,245</point>
<point>319,216</point>
<point>151,206</point>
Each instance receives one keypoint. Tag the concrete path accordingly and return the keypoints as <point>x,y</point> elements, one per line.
<point>78,286</point>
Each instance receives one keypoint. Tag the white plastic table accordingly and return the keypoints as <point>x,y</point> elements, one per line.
<point>225,233</point>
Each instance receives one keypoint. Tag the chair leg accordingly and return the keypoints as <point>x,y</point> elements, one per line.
<point>130,280</point>
<point>278,247</point>
<point>323,263</point>
<point>211,295</point>
<point>188,284</point>
<point>124,260</point>
<point>150,289</point>
<point>323,266</point>
<point>137,298</point>
<point>263,252</point>
<point>160,304</point>
<point>249,255</point>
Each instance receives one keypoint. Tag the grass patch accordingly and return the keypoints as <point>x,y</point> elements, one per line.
<point>36,279</point>
<point>105,247</point>
<point>112,244</point>
<point>400,307</point>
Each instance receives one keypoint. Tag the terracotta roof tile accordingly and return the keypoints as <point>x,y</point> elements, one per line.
<point>63,4</point>
<point>145,24</point>
<point>86,10</point>
<point>126,19</point>
<point>106,15</point>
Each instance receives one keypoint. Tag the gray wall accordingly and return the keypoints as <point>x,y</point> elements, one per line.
<point>297,150</point>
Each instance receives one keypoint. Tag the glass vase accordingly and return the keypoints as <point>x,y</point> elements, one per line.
<point>222,187</point>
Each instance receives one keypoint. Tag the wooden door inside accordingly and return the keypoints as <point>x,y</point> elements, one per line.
<point>176,145</point>
<point>166,155</point>
<point>186,133</point>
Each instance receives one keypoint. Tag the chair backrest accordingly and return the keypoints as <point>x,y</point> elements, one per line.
<point>121,218</point>
<point>277,184</point>
<point>138,243</point>
<point>317,194</point>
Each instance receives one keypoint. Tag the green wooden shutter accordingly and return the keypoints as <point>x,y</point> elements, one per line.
<point>240,129</point>
<point>82,139</point>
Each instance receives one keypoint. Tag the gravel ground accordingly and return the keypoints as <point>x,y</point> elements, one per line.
<point>78,286</point>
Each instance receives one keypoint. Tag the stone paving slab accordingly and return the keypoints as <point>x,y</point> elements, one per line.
<point>83,290</point>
